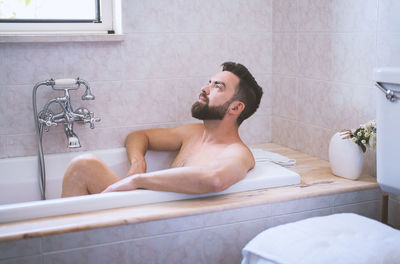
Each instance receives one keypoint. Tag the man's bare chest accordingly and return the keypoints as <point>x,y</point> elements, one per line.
<point>193,155</point>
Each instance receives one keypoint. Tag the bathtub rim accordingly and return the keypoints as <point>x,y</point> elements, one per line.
<point>255,180</point>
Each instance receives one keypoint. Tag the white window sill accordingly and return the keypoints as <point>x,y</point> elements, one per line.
<point>60,38</point>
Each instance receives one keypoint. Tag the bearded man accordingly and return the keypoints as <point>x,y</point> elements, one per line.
<point>211,156</point>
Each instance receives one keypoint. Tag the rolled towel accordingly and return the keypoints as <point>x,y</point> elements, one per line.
<point>261,155</point>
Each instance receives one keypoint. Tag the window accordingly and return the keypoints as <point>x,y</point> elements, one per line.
<point>58,16</point>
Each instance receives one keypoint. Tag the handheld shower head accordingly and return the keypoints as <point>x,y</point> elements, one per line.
<point>88,94</point>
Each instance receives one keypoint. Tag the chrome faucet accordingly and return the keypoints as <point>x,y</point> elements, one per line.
<point>46,118</point>
<point>67,116</point>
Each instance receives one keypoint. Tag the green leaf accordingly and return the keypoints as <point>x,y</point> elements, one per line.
<point>363,147</point>
<point>27,2</point>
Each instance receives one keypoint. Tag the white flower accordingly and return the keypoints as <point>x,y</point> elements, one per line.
<point>372,141</point>
<point>365,133</point>
<point>372,123</point>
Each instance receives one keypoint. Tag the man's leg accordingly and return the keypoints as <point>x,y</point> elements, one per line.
<point>87,174</point>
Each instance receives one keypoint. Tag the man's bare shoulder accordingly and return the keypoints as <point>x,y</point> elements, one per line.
<point>190,129</point>
<point>240,151</point>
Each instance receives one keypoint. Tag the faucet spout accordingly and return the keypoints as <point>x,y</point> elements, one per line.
<point>73,140</point>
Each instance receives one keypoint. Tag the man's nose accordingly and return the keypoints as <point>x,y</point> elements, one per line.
<point>206,89</point>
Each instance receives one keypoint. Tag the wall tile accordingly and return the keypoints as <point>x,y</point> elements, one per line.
<point>356,15</point>
<point>29,63</point>
<point>83,238</point>
<point>100,61</point>
<point>357,197</point>
<point>149,16</point>
<point>21,145</point>
<point>285,97</point>
<point>249,16</point>
<point>388,50</point>
<point>285,15</point>
<point>172,248</point>
<point>353,57</point>
<point>19,248</point>
<point>256,129</point>
<point>30,260</point>
<point>388,16</point>
<point>224,16</point>
<point>371,209</point>
<point>285,56</point>
<point>314,15</point>
<point>315,56</point>
<point>149,55</point>
<point>265,81</point>
<point>224,244</point>
<point>26,63</point>
<point>296,206</point>
<point>337,15</point>
<point>165,226</point>
<point>111,253</point>
<point>289,218</point>
<point>314,140</point>
<point>149,101</point>
<point>16,117</point>
<point>326,104</point>
<point>200,54</point>
<point>252,50</point>
<point>3,151</point>
<point>284,132</point>
<point>237,215</point>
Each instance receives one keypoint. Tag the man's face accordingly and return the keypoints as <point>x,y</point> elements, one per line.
<point>216,97</point>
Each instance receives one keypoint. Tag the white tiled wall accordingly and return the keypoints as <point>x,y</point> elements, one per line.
<point>323,55</point>
<point>209,238</point>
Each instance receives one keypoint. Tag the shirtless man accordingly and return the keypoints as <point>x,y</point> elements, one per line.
<point>211,155</point>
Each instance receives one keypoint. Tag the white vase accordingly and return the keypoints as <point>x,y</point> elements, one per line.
<point>346,157</point>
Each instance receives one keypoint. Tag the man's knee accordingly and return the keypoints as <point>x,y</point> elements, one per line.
<point>84,161</point>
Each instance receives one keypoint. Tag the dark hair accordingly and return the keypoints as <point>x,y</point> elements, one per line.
<point>248,91</point>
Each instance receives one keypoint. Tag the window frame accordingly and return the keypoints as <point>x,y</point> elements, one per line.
<point>107,25</point>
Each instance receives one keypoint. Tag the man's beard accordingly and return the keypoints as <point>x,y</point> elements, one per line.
<point>203,111</point>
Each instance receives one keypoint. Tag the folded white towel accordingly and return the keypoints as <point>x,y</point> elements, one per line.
<point>261,155</point>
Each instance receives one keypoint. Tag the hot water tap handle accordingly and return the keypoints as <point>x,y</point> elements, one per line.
<point>45,117</point>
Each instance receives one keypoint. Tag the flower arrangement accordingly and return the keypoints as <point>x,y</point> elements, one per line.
<point>363,136</point>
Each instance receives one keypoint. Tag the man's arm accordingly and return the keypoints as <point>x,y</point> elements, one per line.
<point>227,169</point>
<point>162,139</point>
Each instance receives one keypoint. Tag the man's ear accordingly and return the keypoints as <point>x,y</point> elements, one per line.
<point>237,107</point>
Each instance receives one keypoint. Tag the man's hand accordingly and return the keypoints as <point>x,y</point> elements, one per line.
<point>138,165</point>
<point>125,184</point>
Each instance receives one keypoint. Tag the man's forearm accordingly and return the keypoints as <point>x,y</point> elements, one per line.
<point>182,180</point>
<point>136,144</point>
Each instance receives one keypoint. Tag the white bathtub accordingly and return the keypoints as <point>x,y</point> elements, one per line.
<point>20,196</point>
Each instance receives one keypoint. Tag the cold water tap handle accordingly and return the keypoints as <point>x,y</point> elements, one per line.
<point>91,119</point>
